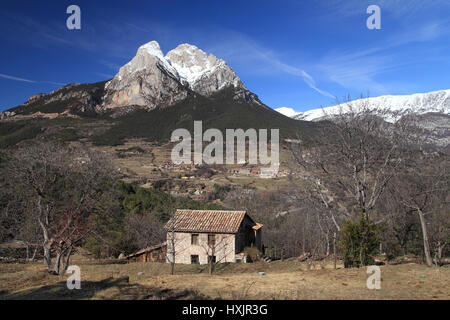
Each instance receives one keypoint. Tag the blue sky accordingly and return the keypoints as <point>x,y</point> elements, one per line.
<point>298,53</point>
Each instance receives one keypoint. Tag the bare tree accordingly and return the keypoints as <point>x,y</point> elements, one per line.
<point>61,188</point>
<point>423,188</point>
<point>145,230</point>
<point>355,157</point>
<point>351,162</point>
<point>175,239</point>
<point>217,247</point>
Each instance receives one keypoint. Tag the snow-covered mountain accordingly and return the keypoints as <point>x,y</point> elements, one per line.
<point>203,73</point>
<point>152,79</point>
<point>288,112</point>
<point>432,110</point>
<point>398,105</point>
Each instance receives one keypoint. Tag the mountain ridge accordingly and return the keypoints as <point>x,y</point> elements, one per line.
<point>397,105</point>
<point>149,80</point>
<point>149,97</point>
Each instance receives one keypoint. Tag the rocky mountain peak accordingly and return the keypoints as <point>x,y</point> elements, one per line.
<point>153,80</point>
<point>148,81</point>
<point>192,63</point>
<point>152,48</point>
<point>203,73</point>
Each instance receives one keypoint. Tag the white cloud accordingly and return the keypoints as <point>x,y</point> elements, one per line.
<point>5,76</point>
<point>360,69</point>
<point>235,46</point>
<point>9,77</point>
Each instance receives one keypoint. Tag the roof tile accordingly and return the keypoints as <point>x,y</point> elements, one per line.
<point>214,221</point>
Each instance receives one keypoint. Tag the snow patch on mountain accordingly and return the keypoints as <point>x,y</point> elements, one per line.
<point>186,62</point>
<point>202,72</point>
<point>396,105</point>
<point>152,80</point>
<point>288,112</point>
<point>191,62</point>
<point>154,49</point>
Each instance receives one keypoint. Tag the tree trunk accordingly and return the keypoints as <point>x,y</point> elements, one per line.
<point>66,261</point>
<point>439,251</point>
<point>47,255</point>
<point>426,243</point>
<point>34,253</point>
<point>47,244</point>
<point>172,263</point>
<point>334,249</point>
<point>57,265</point>
<point>211,261</point>
<point>172,243</point>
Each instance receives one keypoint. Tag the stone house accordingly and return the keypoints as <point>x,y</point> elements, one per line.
<point>200,235</point>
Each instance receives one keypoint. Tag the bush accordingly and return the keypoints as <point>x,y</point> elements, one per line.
<point>253,254</point>
<point>221,191</point>
<point>12,133</point>
<point>359,241</point>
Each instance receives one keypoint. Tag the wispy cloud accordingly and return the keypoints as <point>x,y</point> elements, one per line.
<point>359,69</point>
<point>240,48</point>
<point>405,10</point>
<point>9,77</point>
<point>5,76</point>
<point>293,70</point>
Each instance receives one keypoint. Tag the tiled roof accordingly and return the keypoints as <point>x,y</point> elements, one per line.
<point>215,221</point>
<point>145,250</point>
<point>257,226</point>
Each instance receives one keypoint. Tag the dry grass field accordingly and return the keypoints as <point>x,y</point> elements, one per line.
<point>282,280</point>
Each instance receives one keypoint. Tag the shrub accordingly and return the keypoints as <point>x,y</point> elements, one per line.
<point>253,254</point>
<point>220,191</point>
<point>359,241</point>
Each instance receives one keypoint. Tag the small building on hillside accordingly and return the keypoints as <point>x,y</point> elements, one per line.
<point>196,236</point>
<point>155,253</point>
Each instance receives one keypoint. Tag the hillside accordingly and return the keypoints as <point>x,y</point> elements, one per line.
<point>72,119</point>
<point>219,111</point>
<point>149,97</point>
<point>71,99</point>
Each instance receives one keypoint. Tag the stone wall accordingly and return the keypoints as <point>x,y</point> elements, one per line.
<point>224,248</point>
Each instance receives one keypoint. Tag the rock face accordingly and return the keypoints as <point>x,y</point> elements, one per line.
<point>151,80</point>
<point>148,81</point>
<point>202,73</point>
<point>436,127</point>
<point>35,98</point>
<point>72,98</point>
<point>6,115</point>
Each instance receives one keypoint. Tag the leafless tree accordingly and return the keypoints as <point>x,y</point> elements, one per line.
<point>60,188</point>
<point>217,248</point>
<point>423,187</point>
<point>145,230</point>
<point>350,163</point>
<point>174,238</point>
<point>355,157</point>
